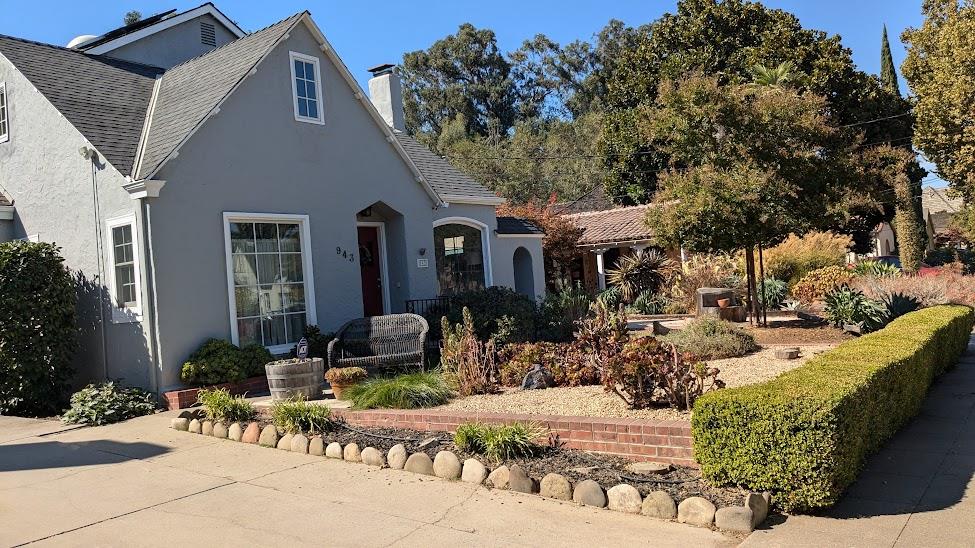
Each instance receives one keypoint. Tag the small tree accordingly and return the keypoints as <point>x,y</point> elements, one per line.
<point>132,17</point>
<point>37,329</point>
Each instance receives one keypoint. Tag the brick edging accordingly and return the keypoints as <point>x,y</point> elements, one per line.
<point>635,439</point>
<point>181,399</point>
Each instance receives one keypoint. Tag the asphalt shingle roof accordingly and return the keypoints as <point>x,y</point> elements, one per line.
<point>105,99</point>
<point>517,225</point>
<point>624,224</point>
<point>188,92</point>
<point>445,179</point>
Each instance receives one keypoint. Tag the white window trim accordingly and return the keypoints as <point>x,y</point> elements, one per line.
<point>383,264</point>
<point>485,242</point>
<point>308,274</point>
<point>292,56</point>
<point>124,314</point>
<point>6,105</point>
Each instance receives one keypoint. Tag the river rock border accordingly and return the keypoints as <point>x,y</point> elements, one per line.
<point>446,465</point>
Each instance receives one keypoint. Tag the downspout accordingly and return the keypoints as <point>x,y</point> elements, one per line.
<point>92,156</point>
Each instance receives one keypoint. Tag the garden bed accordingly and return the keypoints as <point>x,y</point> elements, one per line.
<point>181,399</point>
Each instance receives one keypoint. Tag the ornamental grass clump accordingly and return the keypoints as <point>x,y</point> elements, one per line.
<point>296,415</point>
<point>711,338</point>
<point>500,441</point>
<point>219,405</point>
<point>105,403</point>
<point>407,391</point>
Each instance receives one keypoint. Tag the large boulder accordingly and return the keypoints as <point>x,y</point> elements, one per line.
<point>268,436</point>
<point>734,518</point>
<point>419,463</point>
<point>538,377</point>
<point>659,504</point>
<point>499,477</point>
<point>556,486</point>
<point>373,457</point>
<point>396,457</point>
<point>624,498</point>
<point>446,465</point>
<point>520,481</point>
<point>474,471</point>
<point>589,493</point>
<point>696,511</point>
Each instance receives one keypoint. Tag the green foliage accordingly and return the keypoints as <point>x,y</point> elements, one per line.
<point>897,304</point>
<point>559,311</point>
<point>467,363</point>
<point>817,283</point>
<point>847,306</point>
<point>499,313</point>
<point>645,366</point>
<point>649,302</point>
<point>877,269</point>
<point>888,74</point>
<point>772,292</point>
<point>105,403</point>
<point>711,338</point>
<point>219,405</point>
<point>297,415</point>
<point>806,434</point>
<point>38,335</point>
<point>500,441</point>
<point>219,361</point>
<point>345,375</point>
<point>611,297</point>
<point>409,391</point>
<point>645,270</point>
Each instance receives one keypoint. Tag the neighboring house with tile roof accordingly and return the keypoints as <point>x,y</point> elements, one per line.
<point>206,182</point>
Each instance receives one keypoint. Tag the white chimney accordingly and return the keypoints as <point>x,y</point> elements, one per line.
<point>386,93</point>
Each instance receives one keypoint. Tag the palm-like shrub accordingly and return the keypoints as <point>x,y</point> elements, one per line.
<point>408,391</point>
<point>644,270</point>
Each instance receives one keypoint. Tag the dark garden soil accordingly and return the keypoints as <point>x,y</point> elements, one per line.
<point>606,470</point>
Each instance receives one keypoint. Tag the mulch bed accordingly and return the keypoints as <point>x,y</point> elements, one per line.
<point>798,331</point>
<point>606,470</point>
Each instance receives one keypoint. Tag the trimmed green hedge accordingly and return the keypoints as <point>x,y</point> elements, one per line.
<point>805,435</point>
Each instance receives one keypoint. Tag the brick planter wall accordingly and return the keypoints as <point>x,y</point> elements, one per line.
<point>645,440</point>
<point>181,399</point>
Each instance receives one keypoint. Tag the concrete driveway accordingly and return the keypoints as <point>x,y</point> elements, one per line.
<point>140,483</point>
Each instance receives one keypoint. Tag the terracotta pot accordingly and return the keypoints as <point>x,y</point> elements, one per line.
<point>337,389</point>
<point>724,303</point>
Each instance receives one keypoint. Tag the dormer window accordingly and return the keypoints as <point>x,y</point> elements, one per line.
<point>307,88</point>
<point>4,120</point>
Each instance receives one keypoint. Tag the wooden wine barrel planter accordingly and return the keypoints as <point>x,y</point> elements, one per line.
<point>288,379</point>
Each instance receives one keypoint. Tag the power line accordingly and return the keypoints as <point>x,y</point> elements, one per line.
<point>875,120</point>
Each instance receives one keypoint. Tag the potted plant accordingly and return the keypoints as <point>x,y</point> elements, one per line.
<point>295,377</point>
<point>724,303</point>
<point>341,378</point>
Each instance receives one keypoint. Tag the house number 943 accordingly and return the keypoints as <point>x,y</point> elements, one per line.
<point>345,254</point>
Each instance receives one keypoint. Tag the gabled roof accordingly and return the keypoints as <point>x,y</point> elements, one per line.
<point>613,226</point>
<point>934,200</point>
<point>4,201</point>
<point>189,92</point>
<point>519,226</point>
<point>105,99</point>
<point>127,34</point>
<point>450,183</point>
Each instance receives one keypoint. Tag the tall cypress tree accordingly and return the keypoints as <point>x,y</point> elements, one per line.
<point>888,75</point>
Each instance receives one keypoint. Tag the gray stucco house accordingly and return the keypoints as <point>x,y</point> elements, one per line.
<point>206,182</point>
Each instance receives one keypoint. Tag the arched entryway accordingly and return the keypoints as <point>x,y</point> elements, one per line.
<point>524,272</point>
<point>463,254</point>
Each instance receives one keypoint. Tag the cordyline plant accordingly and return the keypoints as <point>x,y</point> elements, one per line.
<point>465,360</point>
<point>646,366</point>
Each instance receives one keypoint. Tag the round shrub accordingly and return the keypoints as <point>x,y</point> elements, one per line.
<point>37,329</point>
<point>711,338</point>
<point>218,361</point>
<point>105,403</point>
<point>500,313</point>
<point>816,284</point>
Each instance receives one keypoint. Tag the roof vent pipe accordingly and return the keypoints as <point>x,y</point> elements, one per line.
<point>386,93</point>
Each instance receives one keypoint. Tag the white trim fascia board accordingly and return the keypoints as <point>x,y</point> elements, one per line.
<point>7,213</point>
<point>145,188</point>
<point>485,242</point>
<point>150,112</point>
<point>166,24</point>
<point>123,314</point>
<point>308,273</point>
<point>539,236</point>
<point>360,94</point>
<point>384,263</point>
<point>612,245</point>
<point>175,152</point>
<point>472,200</point>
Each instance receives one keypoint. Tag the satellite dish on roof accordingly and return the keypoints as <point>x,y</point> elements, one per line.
<point>79,40</point>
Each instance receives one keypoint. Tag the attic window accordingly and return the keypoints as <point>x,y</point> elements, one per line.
<point>4,125</point>
<point>307,88</point>
<point>208,34</point>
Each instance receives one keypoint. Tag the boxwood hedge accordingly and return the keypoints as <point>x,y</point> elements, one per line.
<point>805,435</point>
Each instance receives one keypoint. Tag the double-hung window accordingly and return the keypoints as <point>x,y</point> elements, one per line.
<point>124,279</point>
<point>269,278</point>
<point>306,81</point>
<point>4,118</point>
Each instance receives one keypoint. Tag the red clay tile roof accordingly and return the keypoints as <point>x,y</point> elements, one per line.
<point>624,224</point>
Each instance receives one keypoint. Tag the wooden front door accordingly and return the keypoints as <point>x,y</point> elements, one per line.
<point>372,275</point>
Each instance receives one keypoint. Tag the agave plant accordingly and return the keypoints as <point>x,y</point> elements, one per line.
<point>847,306</point>
<point>898,304</point>
<point>645,270</point>
<point>877,269</point>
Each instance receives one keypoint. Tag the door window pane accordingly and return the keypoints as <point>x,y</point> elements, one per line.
<point>460,258</point>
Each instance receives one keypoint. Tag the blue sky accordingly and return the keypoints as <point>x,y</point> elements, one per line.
<point>369,34</point>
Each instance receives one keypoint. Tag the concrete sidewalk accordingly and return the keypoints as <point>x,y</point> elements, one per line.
<point>140,483</point>
<point>917,491</point>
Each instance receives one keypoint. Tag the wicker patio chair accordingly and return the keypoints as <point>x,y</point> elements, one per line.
<point>391,341</point>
